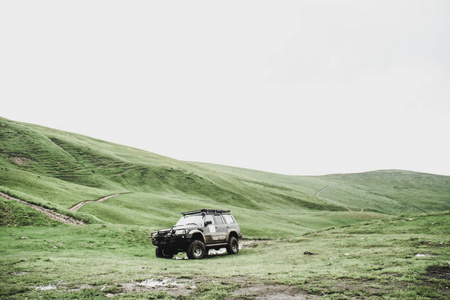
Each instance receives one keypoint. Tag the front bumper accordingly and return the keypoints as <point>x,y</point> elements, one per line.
<point>170,241</point>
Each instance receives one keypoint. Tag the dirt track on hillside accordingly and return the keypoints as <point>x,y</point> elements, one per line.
<point>83,203</point>
<point>48,212</point>
<point>321,190</point>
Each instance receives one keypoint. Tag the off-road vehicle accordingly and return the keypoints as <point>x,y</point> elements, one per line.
<point>198,231</point>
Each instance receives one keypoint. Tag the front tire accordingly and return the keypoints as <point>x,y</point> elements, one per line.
<point>196,250</point>
<point>233,245</point>
<point>162,254</point>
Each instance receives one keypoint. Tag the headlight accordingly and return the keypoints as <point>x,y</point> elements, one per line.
<point>180,231</point>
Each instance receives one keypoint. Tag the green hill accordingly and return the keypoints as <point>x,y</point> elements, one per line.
<point>57,169</point>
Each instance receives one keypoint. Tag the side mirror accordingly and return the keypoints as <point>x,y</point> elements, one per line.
<point>208,223</point>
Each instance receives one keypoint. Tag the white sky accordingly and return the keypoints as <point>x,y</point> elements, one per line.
<point>292,87</point>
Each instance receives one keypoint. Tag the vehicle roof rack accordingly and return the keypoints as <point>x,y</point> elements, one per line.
<point>205,210</point>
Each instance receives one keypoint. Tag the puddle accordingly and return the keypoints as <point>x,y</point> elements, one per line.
<point>221,251</point>
<point>166,282</point>
<point>20,273</point>
<point>181,287</point>
<point>83,286</point>
<point>45,287</point>
<point>423,254</point>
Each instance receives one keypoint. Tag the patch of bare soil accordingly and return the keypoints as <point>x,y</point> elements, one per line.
<point>173,287</point>
<point>21,161</point>
<point>442,273</point>
<point>439,272</point>
<point>184,287</point>
<point>48,212</point>
<point>250,243</point>
<point>271,291</point>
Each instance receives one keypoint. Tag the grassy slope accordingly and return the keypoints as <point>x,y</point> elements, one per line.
<point>59,169</point>
<point>392,191</point>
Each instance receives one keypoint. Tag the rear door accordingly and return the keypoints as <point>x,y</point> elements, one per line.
<point>221,228</point>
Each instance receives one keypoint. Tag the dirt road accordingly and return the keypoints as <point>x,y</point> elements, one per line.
<point>48,212</point>
<point>83,203</point>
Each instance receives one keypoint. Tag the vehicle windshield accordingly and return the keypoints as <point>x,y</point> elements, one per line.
<point>191,219</point>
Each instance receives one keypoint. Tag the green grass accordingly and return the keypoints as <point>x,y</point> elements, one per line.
<point>14,214</point>
<point>370,260</point>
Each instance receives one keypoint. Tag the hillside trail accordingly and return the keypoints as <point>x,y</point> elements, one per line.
<point>324,188</point>
<point>76,207</point>
<point>48,212</point>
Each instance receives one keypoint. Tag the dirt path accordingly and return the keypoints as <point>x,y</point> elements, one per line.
<point>321,190</point>
<point>48,212</point>
<point>83,203</point>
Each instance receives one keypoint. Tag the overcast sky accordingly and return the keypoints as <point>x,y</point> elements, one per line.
<point>292,87</point>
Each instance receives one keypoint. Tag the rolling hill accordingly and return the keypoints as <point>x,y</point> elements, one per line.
<point>58,170</point>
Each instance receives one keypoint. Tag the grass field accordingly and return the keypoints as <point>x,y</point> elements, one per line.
<point>362,231</point>
<point>401,258</point>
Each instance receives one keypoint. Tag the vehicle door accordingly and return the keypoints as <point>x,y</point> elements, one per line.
<point>210,230</point>
<point>221,229</point>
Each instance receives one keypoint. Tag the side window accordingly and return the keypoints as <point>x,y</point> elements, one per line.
<point>209,218</point>
<point>228,219</point>
<point>218,220</point>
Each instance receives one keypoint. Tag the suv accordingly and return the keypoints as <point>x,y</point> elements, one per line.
<point>198,231</point>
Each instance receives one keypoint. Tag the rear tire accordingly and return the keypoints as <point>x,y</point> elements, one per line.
<point>233,245</point>
<point>196,250</point>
